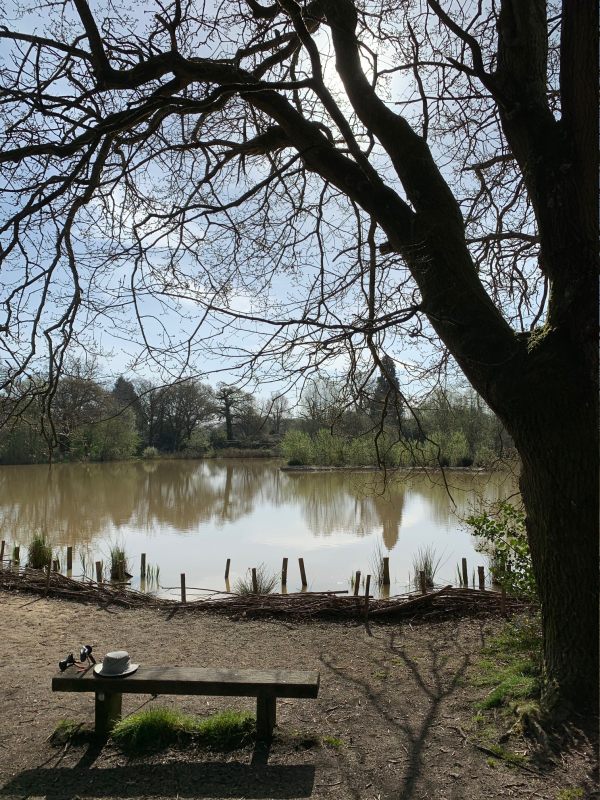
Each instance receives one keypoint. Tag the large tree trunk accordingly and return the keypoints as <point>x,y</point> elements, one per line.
<point>555,430</point>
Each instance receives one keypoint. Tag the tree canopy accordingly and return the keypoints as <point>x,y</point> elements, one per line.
<point>325,179</point>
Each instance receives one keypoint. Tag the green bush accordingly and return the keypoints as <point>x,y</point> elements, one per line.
<point>298,447</point>
<point>503,529</point>
<point>328,448</point>
<point>149,453</point>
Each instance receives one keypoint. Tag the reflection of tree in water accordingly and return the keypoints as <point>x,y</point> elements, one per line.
<point>334,502</point>
<point>73,503</point>
<point>456,498</point>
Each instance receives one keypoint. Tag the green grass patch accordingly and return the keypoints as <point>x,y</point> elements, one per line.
<point>511,666</point>
<point>570,794</point>
<point>227,730</point>
<point>158,728</point>
<point>508,756</point>
<point>69,731</point>
<point>333,741</point>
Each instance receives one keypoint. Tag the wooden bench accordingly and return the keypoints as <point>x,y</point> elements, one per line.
<point>264,684</point>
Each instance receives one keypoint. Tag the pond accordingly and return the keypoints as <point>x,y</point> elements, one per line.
<point>191,516</point>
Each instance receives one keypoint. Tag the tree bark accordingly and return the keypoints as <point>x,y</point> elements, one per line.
<point>551,411</point>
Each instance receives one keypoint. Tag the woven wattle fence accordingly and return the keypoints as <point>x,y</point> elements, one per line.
<point>439,603</point>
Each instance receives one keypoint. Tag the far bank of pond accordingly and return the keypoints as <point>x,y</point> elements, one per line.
<point>190,516</point>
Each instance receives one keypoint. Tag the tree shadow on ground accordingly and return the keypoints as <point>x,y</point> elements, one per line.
<point>432,683</point>
<point>174,779</point>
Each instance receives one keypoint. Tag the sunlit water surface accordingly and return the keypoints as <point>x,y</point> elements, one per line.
<point>190,516</point>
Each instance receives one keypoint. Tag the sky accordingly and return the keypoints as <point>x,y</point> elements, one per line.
<point>109,332</point>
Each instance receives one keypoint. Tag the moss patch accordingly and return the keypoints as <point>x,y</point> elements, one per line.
<point>511,667</point>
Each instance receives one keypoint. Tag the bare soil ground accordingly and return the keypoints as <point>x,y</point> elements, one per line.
<point>394,718</point>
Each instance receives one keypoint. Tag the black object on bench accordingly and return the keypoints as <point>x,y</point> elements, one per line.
<point>264,684</point>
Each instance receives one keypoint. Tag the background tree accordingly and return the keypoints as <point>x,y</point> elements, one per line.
<point>418,170</point>
<point>171,414</point>
<point>386,399</point>
<point>276,412</point>
<point>126,396</point>
<point>238,411</point>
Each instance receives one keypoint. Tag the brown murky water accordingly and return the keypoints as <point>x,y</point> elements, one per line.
<point>190,516</point>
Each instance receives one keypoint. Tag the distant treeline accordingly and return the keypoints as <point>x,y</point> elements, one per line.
<point>191,419</point>
<point>89,422</point>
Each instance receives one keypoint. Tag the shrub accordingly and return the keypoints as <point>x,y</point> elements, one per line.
<point>298,447</point>
<point>149,452</point>
<point>39,553</point>
<point>503,529</point>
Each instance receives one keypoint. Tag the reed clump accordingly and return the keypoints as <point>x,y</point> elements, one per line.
<point>377,568</point>
<point>39,553</point>
<point>265,582</point>
<point>118,564</point>
<point>426,560</point>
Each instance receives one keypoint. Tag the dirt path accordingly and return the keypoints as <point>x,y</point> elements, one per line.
<point>397,698</point>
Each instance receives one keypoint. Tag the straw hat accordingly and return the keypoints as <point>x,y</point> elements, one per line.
<point>115,665</point>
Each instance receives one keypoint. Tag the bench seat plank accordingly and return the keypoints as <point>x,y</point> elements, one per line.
<point>195,680</point>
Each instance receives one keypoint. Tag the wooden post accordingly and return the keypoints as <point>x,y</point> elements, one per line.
<point>55,565</point>
<point>465,573</point>
<point>107,712</point>
<point>98,572</point>
<point>422,582</point>
<point>284,564</point>
<point>386,571</point>
<point>367,591</point>
<point>2,546</point>
<point>302,572</point>
<point>227,566</point>
<point>357,583</point>
<point>481,577</point>
<point>17,553</point>
<point>183,600</point>
<point>69,559</point>
<point>254,581</point>
<point>48,572</point>
<point>266,715</point>
<point>143,566</point>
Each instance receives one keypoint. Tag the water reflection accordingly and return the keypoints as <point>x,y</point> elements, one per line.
<point>248,510</point>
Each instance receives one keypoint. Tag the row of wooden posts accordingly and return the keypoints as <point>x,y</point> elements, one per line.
<point>284,572</point>
<point>357,577</point>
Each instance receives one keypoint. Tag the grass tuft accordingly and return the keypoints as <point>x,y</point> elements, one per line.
<point>226,730</point>
<point>333,741</point>
<point>118,564</point>
<point>266,582</point>
<point>157,728</point>
<point>377,565</point>
<point>426,560</point>
<point>39,553</point>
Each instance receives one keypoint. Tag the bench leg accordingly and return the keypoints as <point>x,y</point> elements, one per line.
<point>107,712</point>
<point>265,716</point>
